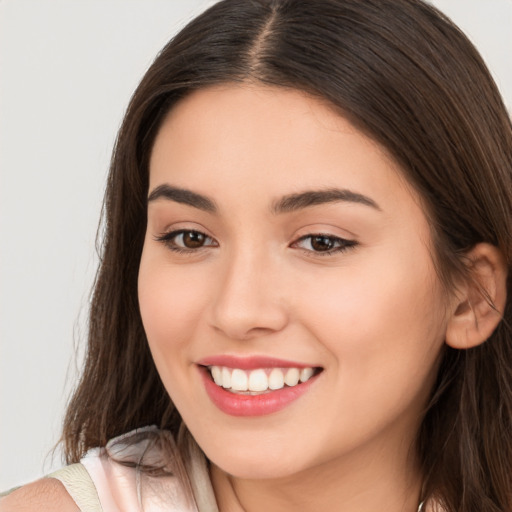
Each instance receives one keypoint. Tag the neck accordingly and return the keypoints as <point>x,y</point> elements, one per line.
<point>389,481</point>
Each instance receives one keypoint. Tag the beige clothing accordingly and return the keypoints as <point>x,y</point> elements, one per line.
<point>101,483</point>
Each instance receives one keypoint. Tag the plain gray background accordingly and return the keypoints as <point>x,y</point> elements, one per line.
<point>67,70</point>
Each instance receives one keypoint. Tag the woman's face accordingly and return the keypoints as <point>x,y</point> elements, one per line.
<point>284,244</point>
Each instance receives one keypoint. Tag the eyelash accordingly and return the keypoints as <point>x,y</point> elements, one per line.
<point>341,244</point>
<point>168,240</point>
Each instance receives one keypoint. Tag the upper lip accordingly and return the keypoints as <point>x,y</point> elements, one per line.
<point>251,362</point>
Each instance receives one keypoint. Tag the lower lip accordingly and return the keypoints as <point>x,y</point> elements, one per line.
<point>252,405</point>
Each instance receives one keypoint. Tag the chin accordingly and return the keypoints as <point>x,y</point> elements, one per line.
<point>256,459</point>
<point>254,470</point>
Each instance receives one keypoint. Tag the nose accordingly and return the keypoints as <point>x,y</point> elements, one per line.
<point>250,299</point>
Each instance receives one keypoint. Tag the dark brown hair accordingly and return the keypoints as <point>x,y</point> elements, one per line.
<point>406,76</point>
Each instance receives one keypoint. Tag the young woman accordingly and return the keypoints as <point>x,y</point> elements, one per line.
<point>305,272</point>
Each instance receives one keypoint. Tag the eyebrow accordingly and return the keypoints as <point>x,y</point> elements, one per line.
<point>183,196</point>
<point>286,204</point>
<point>294,202</point>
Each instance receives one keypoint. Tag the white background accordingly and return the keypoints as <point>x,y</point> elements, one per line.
<point>67,70</point>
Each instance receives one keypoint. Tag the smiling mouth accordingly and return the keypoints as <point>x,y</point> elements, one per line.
<point>259,380</point>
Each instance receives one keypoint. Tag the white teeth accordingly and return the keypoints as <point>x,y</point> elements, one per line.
<point>292,377</point>
<point>276,379</point>
<point>259,380</point>
<point>217,375</point>
<point>306,374</point>
<point>239,380</point>
<point>226,378</point>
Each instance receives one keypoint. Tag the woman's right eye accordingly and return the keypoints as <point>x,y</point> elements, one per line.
<point>186,240</point>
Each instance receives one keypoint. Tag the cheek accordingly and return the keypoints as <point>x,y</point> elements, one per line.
<point>385,330</point>
<point>170,304</point>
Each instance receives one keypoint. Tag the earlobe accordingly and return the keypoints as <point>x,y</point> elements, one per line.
<point>480,302</point>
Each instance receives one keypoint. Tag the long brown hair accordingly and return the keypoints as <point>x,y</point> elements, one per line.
<point>406,76</point>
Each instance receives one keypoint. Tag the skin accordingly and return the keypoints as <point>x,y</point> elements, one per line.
<point>373,316</point>
<point>45,494</point>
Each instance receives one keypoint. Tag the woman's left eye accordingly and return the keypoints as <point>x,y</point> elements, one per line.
<point>186,240</point>
<point>323,244</point>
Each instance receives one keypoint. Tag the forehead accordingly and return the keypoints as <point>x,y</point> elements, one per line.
<point>247,140</point>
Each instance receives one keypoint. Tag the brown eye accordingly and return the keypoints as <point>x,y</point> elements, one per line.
<point>322,243</point>
<point>186,240</point>
<point>193,239</point>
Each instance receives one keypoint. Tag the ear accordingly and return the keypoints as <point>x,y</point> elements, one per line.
<point>479,302</point>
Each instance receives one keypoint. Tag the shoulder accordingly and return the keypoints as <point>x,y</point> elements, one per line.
<point>45,494</point>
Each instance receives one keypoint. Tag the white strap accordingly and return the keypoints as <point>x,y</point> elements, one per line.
<point>80,487</point>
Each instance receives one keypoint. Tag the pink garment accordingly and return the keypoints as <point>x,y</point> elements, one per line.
<point>127,489</point>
